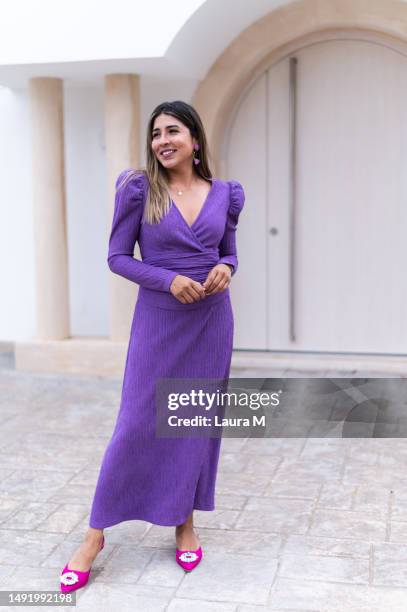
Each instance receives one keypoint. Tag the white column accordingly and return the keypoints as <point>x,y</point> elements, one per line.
<point>50,232</point>
<point>122,121</point>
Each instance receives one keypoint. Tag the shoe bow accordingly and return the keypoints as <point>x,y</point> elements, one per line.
<point>69,578</point>
<point>188,557</point>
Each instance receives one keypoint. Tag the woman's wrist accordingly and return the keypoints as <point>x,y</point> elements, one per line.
<point>222,263</point>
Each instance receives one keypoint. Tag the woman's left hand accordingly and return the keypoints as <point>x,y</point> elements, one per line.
<point>218,279</point>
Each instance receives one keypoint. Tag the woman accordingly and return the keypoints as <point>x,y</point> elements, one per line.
<point>185,222</point>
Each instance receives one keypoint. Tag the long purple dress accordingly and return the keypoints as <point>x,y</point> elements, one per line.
<point>144,477</point>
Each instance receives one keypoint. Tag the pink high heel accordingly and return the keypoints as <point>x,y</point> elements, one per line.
<point>74,579</point>
<point>188,559</point>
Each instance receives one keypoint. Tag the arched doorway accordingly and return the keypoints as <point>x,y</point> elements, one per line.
<point>322,240</point>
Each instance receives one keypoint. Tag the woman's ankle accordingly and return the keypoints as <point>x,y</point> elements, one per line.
<point>94,535</point>
<point>184,526</point>
<point>189,524</point>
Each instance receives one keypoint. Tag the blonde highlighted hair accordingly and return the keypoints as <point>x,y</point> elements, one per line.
<point>158,198</point>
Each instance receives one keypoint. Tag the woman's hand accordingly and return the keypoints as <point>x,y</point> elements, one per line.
<point>186,290</point>
<point>218,279</point>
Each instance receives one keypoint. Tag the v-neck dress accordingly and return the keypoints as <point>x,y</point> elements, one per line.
<point>143,476</point>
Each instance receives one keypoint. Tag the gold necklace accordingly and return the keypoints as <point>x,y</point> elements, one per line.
<point>180,193</point>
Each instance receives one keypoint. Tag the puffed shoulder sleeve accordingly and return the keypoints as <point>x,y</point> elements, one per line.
<point>124,173</point>
<point>237,199</point>
<point>227,246</point>
<point>128,211</point>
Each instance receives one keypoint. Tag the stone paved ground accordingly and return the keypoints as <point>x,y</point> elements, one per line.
<point>300,524</point>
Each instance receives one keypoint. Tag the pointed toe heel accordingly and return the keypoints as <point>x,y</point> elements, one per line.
<point>71,580</point>
<point>188,559</point>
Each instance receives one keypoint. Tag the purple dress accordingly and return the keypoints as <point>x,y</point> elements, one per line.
<point>144,477</point>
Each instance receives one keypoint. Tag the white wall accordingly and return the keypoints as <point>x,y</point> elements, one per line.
<point>86,210</point>
<point>17,308</point>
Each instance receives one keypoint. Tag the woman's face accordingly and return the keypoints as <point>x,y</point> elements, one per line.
<point>169,134</point>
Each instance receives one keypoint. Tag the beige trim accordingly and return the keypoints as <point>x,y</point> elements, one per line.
<point>278,33</point>
<point>122,130</point>
<point>49,208</point>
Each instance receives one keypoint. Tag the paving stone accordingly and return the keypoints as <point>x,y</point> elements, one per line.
<point>26,547</point>
<point>26,578</point>
<point>8,506</point>
<point>186,605</point>
<point>105,597</point>
<point>231,578</point>
<point>39,449</point>
<point>390,564</point>
<point>290,594</point>
<point>241,484</point>
<point>392,459</point>
<point>232,445</point>
<point>336,496</point>
<point>162,569</point>
<point>293,489</point>
<point>399,494</point>
<point>274,446</point>
<point>325,546</point>
<point>218,518</point>
<point>258,544</point>
<point>4,473</point>
<point>398,505</point>
<point>398,531</point>
<point>355,473</point>
<point>339,524</point>
<point>336,569</point>
<point>232,462</point>
<point>125,565</point>
<point>78,416</point>
<point>5,573</point>
<point>372,499</point>
<point>265,465</point>
<point>73,494</point>
<point>363,456</point>
<point>30,517</point>
<point>315,448</point>
<point>249,608</point>
<point>64,519</point>
<point>158,536</point>
<point>85,476</point>
<point>309,470</point>
<point>276,514</point>
<point>230,502</point>
<point>21,461</point>
<point>34,485</point>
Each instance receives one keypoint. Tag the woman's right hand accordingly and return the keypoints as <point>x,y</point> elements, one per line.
<point>186,290</point>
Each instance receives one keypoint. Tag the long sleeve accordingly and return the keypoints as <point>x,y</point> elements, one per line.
<point>227,246</point>
<point>128,210</point>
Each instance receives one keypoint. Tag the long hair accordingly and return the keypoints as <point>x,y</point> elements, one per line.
<point>159,199</point>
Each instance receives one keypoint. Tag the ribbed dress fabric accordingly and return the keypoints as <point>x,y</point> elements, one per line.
<point>142,476</point>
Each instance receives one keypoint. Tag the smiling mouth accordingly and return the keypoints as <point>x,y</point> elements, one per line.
<point>167,153</point>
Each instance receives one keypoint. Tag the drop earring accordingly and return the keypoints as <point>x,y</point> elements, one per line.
<point>196,159</point>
